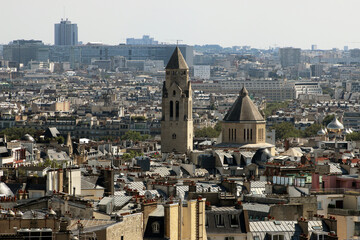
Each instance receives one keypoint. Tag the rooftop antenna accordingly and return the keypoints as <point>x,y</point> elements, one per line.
<point>177,42</point>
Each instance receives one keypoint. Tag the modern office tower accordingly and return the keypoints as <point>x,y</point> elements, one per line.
<point>355,53</point>
<point>145,40</point>
<point>177,129</point>
<point>313,47</point>
<point>24,51</point>
<point>66,33</point>
<point>316,70</point>
<point>289,56</point>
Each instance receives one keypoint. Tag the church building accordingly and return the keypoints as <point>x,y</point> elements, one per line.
<point>243,124</point>
<point>177,124</point>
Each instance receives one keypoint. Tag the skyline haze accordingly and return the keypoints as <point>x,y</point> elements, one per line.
<point>257,23</point>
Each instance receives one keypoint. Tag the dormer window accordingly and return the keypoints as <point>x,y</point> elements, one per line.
<point>174,93</point>
<point>155,227</point>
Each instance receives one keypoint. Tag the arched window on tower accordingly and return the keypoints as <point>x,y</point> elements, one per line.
<point>174,92</point>
<point>177,109</point>
<point>248,135</point>
<point>235,134</point>
<point>171,109</point>
<point>244,134</point>
<point>174,136</point>
<point>251,134</point>
<point>229,134</point>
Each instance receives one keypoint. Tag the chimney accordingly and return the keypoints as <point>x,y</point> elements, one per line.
<point>331,222</point>
<point>147,207</point>
<point>304,224</point>
<point>286,145</point>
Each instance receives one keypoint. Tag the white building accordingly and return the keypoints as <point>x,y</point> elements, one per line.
<point>202,72</point>
<point>307,88</point>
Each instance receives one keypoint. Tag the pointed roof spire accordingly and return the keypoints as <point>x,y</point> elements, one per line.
<point>244,92</point>
<point>243,109</point>
<point>177,61</point>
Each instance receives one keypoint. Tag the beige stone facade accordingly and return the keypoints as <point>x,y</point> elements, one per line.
<point>185,222</point>
<point>243,132</point>
<point>177,123</point>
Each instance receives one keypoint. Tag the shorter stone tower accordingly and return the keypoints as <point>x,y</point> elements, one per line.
<point>243,124</point>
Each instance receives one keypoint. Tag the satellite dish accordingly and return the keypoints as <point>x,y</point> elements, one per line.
<point>148,195</point>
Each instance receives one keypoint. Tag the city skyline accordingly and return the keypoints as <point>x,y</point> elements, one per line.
<point>260,24</point>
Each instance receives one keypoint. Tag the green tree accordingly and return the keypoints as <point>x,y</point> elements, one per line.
<point>272,107</point>
<point>355,136</point>
<point>209,132</point>
<point>134,136</point>
<point>328,119</point>
<point>16,133</point>
<point>312,130</point>
<point>60,139</point>
<point>286,130</point>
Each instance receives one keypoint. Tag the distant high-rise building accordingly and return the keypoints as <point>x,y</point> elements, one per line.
<point>24,51</point>
<point>145,40</point>
<point>346,48</point>
<point>66,33</point>
<point>289,56</point>
<point>355,53</point>
<point>313,47</point>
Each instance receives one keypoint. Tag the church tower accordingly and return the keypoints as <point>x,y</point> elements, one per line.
<point>177,124</point>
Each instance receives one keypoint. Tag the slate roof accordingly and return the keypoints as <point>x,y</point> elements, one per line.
<point>177,61</point>
<point>121,200</point>
<point>243,109</point>
<point>136,185</point>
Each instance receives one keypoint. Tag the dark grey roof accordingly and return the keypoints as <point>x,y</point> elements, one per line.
<point>177,61</point>
<point>243,109</point>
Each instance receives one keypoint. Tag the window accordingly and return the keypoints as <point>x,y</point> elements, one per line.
<point>251,134</point>
<point>174,136</point>
<point>234,220</point>
<point>248,135</point>
<point>357,229</point>
<point>177,109</point>
<point>321,237</point>
<point>278,237</point>
<point>319,205</point>
<point>244,134</point>
<point>174,92</point>
<point>171,109</point>
<point>235,134</point>
<point>229,238</point>
<point>256,238</point>
<point>219,220</point>
<point>155,227</point>
<point>229,134</point>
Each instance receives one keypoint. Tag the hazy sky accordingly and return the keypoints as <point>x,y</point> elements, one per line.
<point>258,23</point>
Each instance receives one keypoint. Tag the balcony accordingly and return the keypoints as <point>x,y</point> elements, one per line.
<point>343,212</point>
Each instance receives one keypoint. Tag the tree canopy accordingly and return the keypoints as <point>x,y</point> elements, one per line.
<point>287,130</point>
<point>208,132</point>
<point>16,133</point>
<point>134,136</point>
<point>273,107</point>
<point>328,119</point>
<point>355,136</point>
